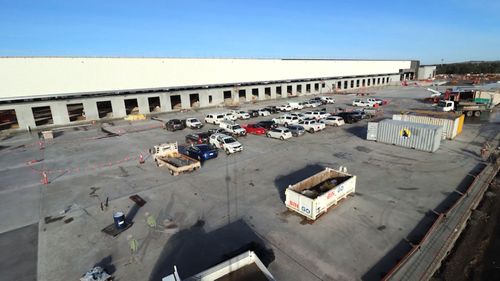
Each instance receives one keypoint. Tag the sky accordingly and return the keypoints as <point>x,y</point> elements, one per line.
<point>439,31</point>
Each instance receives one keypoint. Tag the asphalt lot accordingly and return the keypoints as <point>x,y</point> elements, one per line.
<point>233,202</point>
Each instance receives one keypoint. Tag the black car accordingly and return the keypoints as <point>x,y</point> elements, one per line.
<point>271,109</point>
<point>253,113</point>
<point>198,138</point>
<point>348,117</point>
<point>175,124</point>
<point>269,124</point>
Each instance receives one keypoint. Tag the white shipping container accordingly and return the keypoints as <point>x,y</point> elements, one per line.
<point>371,133</point>
<point>310,200</point>
<point>452,126</point>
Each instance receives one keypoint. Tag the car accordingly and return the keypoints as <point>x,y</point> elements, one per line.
<point>360,114</point>
<point>316,115</point>
<point>175,124</point>
<point>218,131</point>
<point>253,113</point>
<point>301,116</point>
<point>296,105</point>
<point>272,109</point>
<point>226,143</point>
<point>306,104</point>
<point>286,120</point>
<point>240,114</point>
<point>193,123</point>
<point>296,130</point>
<point>348,117</point>
<point>197,138</point>
<point>361,103</point>
<point>312,126</point>
<point>230,116</point>
<point>254,129</point>
<point>214,118</point>
<point>315,103</point>
<point>263,112</point>
<point>335,121</point>
<point>202,152</point>
<point>279,133</point>
<point>375,100</point>
<point>233,128</point>
<point>316,100</point>
<point>284,107</point>
<point>328,100</point>
<point>267,124</point>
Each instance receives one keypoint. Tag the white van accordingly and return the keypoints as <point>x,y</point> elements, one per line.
<point>214,118</point>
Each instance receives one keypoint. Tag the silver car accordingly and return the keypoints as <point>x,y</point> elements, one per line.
<point>296,130</point>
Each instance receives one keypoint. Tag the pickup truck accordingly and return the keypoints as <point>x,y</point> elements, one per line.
<point>296,105</point>
<point>197,138</point>
<point>167,155</point>
<point>375,100</point>
<point>233,128</point>
<point>316,115</point>
<point>361,103</point>
<point>312,126</point>
<point>193,123</point>
<point>286,120</point>
<point>226,143</point>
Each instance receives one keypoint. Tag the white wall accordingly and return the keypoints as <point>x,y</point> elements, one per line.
<point>31,77</point>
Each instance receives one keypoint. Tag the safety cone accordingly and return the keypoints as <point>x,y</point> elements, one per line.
<point>141,159</point>
<point>45,178</point>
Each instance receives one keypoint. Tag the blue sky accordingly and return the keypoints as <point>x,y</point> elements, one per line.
<point>448,30</point>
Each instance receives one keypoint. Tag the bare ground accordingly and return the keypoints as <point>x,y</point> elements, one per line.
<point>476,255</point>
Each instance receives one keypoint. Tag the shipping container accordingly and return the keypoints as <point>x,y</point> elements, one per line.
<point>371,133</point>
<point>452,123</point>
<point>408,134</point>
<point>314,195</point>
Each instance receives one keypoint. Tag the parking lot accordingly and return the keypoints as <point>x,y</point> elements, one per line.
<point>233,201</point>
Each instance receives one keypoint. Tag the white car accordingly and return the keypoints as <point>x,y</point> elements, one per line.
<point>230,116</point>
<point>328,99</point>
<point>312,126</point>
<point>263,112</point>
<point>316,115</point>
<point>285,107</point>
<point>279,133</point>
<point>296,105</point>
<point>214,118</point>
<point>306,104</point>
<point>301,116</point>
<point>374,100</point>
<point>225,142</point>
<point>334,121</point>
<point>240,114</point>
<point>361,103</point>
<point>193,123</point>
<point>286,120</point>
<point>233,128</point>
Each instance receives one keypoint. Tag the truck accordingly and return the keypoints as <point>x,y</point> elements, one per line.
<point>167,156</point>
<point>246,266</point>
<point>469,109</point>
<point>314,195</point>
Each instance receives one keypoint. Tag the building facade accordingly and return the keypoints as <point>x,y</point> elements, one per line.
<point>44,92</point>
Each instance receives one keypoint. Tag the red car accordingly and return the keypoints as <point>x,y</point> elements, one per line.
<point>254,129</point>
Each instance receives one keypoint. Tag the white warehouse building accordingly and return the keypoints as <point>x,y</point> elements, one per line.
<point>39,92</point>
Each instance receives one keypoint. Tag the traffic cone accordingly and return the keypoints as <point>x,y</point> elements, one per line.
<point>141,159</point>
<point>45,178</point>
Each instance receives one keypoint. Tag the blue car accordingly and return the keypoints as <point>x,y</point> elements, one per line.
<point>201,152</point>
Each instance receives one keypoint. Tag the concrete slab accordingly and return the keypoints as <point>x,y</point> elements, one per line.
<point>396,188</point>
<point>18,258</point>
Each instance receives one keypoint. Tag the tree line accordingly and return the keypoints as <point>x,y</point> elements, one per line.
<point>469,67</point>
